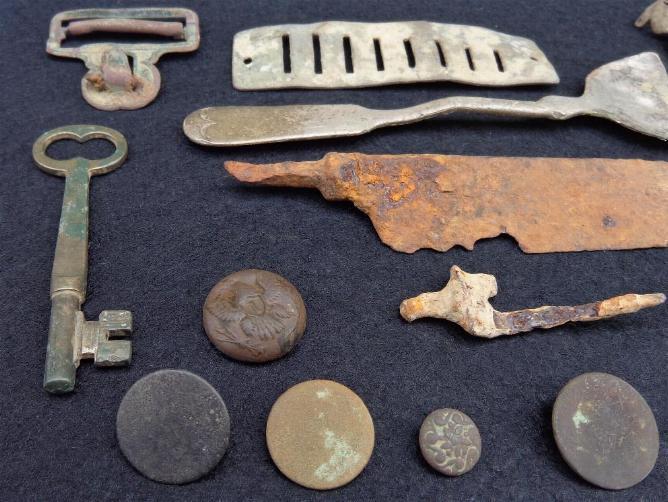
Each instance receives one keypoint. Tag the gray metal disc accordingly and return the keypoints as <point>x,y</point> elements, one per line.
<point>173,426</point>
<point>605,431</point>
<point>450,441</point>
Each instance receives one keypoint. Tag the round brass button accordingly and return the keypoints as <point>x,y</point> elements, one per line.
<point>320,434</point>
<point>605,431</point>
<point>254,315</point>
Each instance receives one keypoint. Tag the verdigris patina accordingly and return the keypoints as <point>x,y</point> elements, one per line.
<point>123,76</point>
<point>71,337</point>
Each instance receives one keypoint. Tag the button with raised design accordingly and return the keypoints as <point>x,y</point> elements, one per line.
<point>254,315</point>
<point>450,441</point>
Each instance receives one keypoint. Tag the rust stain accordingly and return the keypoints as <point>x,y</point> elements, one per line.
<point>465,300</point>
<point>439,201</point>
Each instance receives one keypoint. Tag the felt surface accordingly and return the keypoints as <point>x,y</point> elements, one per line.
<point>170,223</point>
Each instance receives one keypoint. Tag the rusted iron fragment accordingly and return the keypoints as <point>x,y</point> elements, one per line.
<point>657,17</point>
<point>465,300</point>
<point>438,201</point>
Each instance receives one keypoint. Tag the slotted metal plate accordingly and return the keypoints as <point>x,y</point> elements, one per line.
<point>336,54</point>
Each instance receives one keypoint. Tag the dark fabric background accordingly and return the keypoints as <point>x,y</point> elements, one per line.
<point>170,223</point>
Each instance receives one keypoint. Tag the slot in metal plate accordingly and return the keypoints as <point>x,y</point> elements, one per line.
<point>338,54</point>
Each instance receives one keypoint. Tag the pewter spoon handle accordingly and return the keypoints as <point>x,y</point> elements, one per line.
<point>549,107</point>
<point>251,125</point>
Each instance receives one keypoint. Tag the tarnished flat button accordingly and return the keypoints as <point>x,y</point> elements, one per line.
<point>450,441</point>
<point>320,434</point>
<point>605,431</point>
<point>254,315</point>
<point>173,426</point>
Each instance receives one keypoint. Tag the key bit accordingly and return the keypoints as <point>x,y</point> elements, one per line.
<point>71,337</point>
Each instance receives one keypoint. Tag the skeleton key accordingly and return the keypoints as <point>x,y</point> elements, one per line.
<point>71,337</point>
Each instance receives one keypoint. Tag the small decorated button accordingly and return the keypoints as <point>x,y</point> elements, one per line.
<point>254,315</point>
<point>450,442</point>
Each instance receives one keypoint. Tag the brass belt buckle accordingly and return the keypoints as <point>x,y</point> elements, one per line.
<point>123,76</point>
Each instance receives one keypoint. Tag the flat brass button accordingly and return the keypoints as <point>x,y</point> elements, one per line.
<point>254,315</point>
<point>172,426</point>
<point>605,431</point>
<point>320,434</point>
<point>450,441</point>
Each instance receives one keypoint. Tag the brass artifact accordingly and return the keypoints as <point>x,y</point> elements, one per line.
<point>254,315</point>
<point>657,16</point>
<point>336,54</point>
<point>320,434</point>
<point>173,426</point>
<point>632,92</point>
<point>450,442</point>
<point>465,300</point>
<point>605,431</point>
<point>439,201</point>
<point>71,337</point>
<point>123,76</point>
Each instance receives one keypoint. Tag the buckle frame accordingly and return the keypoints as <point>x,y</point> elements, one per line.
<point>123,76</point>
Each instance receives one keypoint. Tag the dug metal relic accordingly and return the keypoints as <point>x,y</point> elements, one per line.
<point>71,337</point>
<point>465,300</point>
<point>123,76</point>
<point>254,315</point>
<point>450,442</point>
<point>632,92</point>
<point>320,434</point>
<point>437,201</point>
<point>173,426</point>
<point>657,16</point>
<point>605,431</point>
<point>335,54</point>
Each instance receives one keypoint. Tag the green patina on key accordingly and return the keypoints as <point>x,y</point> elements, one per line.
<point>71,337</point>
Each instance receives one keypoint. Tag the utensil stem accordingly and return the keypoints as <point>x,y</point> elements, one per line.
<point>550,107</point>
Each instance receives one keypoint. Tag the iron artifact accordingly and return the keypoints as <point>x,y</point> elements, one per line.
<point>123,76</point>
<point>320,434</point>
<point>450,442</point>
<point>71,337</point>
<point>173,427</point>
<point>465,301</point>
<point>335,54</point>
<point>657,16</point>
<point>632,92</point>
<point>437,201</point>
<point>605,431</point>
<point>254,315</point>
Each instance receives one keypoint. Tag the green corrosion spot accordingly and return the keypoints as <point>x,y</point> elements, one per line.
<point>74,215</point>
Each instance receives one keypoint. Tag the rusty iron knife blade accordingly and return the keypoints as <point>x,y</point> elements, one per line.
<point>440,201</point>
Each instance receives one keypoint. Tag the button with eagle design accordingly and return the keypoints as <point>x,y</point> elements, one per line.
<point>254,315</point>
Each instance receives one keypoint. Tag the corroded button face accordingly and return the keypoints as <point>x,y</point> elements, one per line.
<point>320,434</point>
<point>254,315</point>
<point>173,426</point>
<point>450,441</point>
<point>605,430</point>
